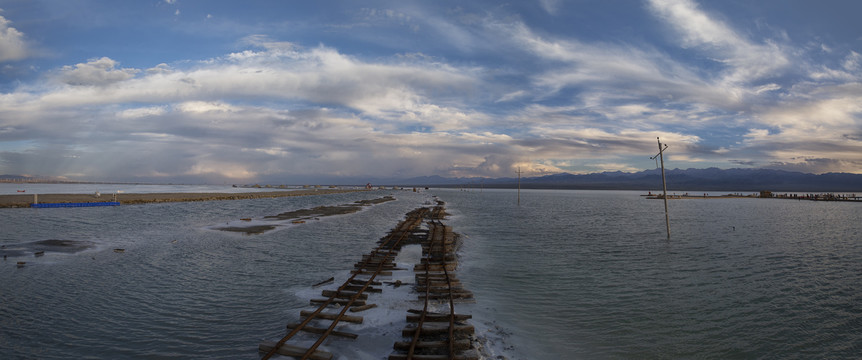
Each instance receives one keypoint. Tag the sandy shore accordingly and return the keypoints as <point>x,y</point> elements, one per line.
<point>23,200</point>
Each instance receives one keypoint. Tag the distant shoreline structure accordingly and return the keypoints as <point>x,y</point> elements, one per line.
<point>710,179</point>
<point>25,200</point>
<point>765,195</point>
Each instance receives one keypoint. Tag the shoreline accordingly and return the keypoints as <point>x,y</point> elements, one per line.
<point>754,196</point>
<point>24,200</point>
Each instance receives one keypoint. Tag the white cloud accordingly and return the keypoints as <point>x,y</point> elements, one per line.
<point>199,107</point>
<point>279,109</point>
<point>142,112</point>
<point>441,118</point>
<point>696,26</point>
<point>852,61</point>
<point>550,6</point>
<point>512,96</point>
<point>767,87</point>
<point>614,166</point>
<point>13,46</point>
<point>746,61</point>
<point>97,72</point>
<point>160,69</point>
<point>196,115</point>
<point>606,68</point>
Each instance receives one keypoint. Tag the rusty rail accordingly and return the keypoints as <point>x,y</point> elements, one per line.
<point>402,231</point>
<point>438,254</point>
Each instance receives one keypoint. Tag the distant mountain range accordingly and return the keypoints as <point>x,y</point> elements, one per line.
<point>711,179</point>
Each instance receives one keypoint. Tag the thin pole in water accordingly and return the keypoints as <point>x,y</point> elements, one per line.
<point>660,155</point>
<point>519,186</point>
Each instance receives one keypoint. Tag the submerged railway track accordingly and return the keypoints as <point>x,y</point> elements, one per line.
<point>433,332</point>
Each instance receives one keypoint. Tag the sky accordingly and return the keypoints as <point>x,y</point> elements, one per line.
<point>287,92</point>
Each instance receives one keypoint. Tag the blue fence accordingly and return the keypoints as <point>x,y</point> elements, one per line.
<point>61,205</point>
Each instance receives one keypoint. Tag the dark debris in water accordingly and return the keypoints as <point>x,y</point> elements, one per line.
<point>42,247</point>
<point>307,214</point>
<point>257,229</point>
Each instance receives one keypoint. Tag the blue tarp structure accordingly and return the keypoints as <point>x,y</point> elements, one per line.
<point>59,205</point>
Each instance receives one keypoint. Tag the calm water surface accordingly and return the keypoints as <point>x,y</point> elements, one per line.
<point>590,274</point>
<point>567,274</point>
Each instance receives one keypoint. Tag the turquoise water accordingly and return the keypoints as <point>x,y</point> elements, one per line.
<point>567,274</point>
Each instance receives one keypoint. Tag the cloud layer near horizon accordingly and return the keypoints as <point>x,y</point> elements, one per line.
<point>492,92</point>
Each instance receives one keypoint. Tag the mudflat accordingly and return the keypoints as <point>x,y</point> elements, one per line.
<point>24,200</point>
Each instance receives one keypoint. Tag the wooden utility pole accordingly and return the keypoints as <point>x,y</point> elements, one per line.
<point>519,186</point>
<point>663,184</point>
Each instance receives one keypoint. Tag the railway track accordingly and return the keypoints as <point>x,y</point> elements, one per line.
<point>433,332</point>
<point>440,334</point>
<point>350,295</point>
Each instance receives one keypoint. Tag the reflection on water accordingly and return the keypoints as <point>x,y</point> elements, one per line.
<point>583,274</point>
<point>39,248</point>
<point>590,274</point>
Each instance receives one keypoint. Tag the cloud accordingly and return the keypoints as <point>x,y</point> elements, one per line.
<point>550,6</point>
<point>627,86</point>
<point>815,165</point>
<point>160,69</point>
<point>746,60</point>
<point>605,68</point>
<point>96,72</point>
<point>142,112</point>
<point>512,96</point>
<point>338,116</point>
<point>200,107</point>
<point>13,46</point>
<point>852,61</point>
<point>549,102</point>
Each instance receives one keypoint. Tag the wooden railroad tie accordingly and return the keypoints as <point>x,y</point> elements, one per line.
<point>295,351</point>
<point>363,282</point>
<point>315,330</point>
<point>433,329</point>
<point>325,316</point>
<point>368,289</point>
<point>455,284</point>
<point>461,295</point>
<point>360,272</point>
<point>438,267</point>
<point>438,318</point>
<point>363,307</point>
<point>469,355</point>
<point>343,294</point>
<point>372,269</point>
<point>462,344</point>
<point>337,302</point>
